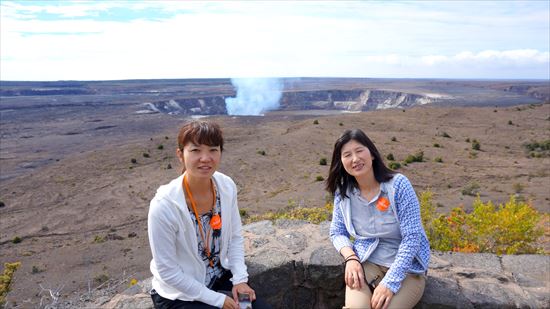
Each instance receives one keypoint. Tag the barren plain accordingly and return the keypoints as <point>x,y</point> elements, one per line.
<point>79,205</point>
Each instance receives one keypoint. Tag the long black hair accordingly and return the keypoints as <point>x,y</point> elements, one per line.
<point>338,179</point>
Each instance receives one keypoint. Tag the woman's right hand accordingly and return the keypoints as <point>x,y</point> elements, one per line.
<point>229,303</point>
<point>354,275</point>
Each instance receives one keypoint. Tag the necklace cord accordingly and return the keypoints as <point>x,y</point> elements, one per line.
<point>194,206</point>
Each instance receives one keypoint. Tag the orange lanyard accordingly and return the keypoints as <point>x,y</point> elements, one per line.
<point>199,221</point>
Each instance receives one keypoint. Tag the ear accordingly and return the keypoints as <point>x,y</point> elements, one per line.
<point>179,154</point>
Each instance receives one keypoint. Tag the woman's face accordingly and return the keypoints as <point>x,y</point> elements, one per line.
<point>200,160</point>
<point>356,159</point>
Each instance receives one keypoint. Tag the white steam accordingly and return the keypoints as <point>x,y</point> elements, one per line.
<point>254,96</point>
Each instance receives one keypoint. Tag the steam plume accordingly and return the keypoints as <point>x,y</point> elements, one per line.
<point>254,96</point>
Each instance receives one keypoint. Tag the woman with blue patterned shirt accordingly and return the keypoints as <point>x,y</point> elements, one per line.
<point>195,230</point>
<point>387,260</point>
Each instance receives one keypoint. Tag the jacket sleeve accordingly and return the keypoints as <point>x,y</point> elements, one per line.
<point>339,235</point>
<point>235,252</point>
<point>408,212</point>
<point>162,230</point>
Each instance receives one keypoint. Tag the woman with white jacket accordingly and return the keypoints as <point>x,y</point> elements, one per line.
<point>195,230</point>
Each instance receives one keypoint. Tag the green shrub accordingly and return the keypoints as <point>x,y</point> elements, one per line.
<point>101,278</point>
<point>445,134</point>
<point>341,124</point>
<point>315,121</point>
<point>438,160</point>
<point>99,239</point>
<point>166,137</point>
<point>243,213</point>
<point>319,178</point>
<point>418,157</point>
<point>390,157</point>
<point>133,160</point>
<point>512,228</point>
<point>518,187</point>
<point>510,122</point>
<point>292,212</point>
<point>261,152</point>
<point>160,147</point>
<point>436,145</point>
<point>6,280</point>
<point>538,149</point>
<point>36,270</point>
<point>472,188</point>
<point>2,204</point>
<point>476,145</point>
<point>16,240</point>
<point>146,155</point>
<point>394,165</point>
<point>394,139</point>
<point>323,161</point>
<point>467,140</point>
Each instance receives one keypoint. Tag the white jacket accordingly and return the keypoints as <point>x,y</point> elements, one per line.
<point>178,271</point>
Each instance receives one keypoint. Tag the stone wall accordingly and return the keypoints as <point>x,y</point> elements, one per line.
<point>292,264</point>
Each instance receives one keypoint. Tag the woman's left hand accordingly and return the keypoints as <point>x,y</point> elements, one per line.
<point>381,297</point>
<point>243,288</point>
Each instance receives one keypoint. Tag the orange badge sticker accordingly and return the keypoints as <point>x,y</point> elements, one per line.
<point>216,222</point>
<point>382,204</point>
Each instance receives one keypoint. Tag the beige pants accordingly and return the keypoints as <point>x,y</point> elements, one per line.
<point>408,295</point>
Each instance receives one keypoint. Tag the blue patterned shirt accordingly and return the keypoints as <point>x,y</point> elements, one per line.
<point>413,254</point>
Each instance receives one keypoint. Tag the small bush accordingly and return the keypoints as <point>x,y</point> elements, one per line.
<point>438,160</point>
<point>323,161</point>
<point>341,124</point>
<point>445,134</point>
<point>510,122</point>
<point>390,157</point>
<point>243,213</point>
<point>512,228</point>
<point>261,152</point>
<point>292,212</point>
<point>36,270</point>
<point>315,121</point>
<point>476,145</point>
<point>319,178</point>
<point>394,165</point>
<point>101,278</point>
<point>166,137</point>
<point>472,189</point>
<point>98,239</point>
<point>169,166</point>
<point>538,149</point>
<point>2,204</point>
<point>160,147</point>
<point>518,187</point>
<point>418,157</point>
<point>436,145</point>
<point>393,138</point>
<point>16,240</point>
<point>146,155</point>
<point>6,280</point>
<point>133,160</point>
<point>467,140</point>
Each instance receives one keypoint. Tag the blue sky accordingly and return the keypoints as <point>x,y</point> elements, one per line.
<point>102,40</point>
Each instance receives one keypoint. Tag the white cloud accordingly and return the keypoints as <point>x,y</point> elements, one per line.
<point>247,39</point>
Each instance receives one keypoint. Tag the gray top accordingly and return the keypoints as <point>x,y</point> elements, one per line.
<point>369,221</point>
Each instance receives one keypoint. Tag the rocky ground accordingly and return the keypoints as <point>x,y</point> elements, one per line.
<point>81,214</point>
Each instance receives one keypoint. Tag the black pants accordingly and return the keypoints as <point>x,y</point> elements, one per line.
<point>222,284</point>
